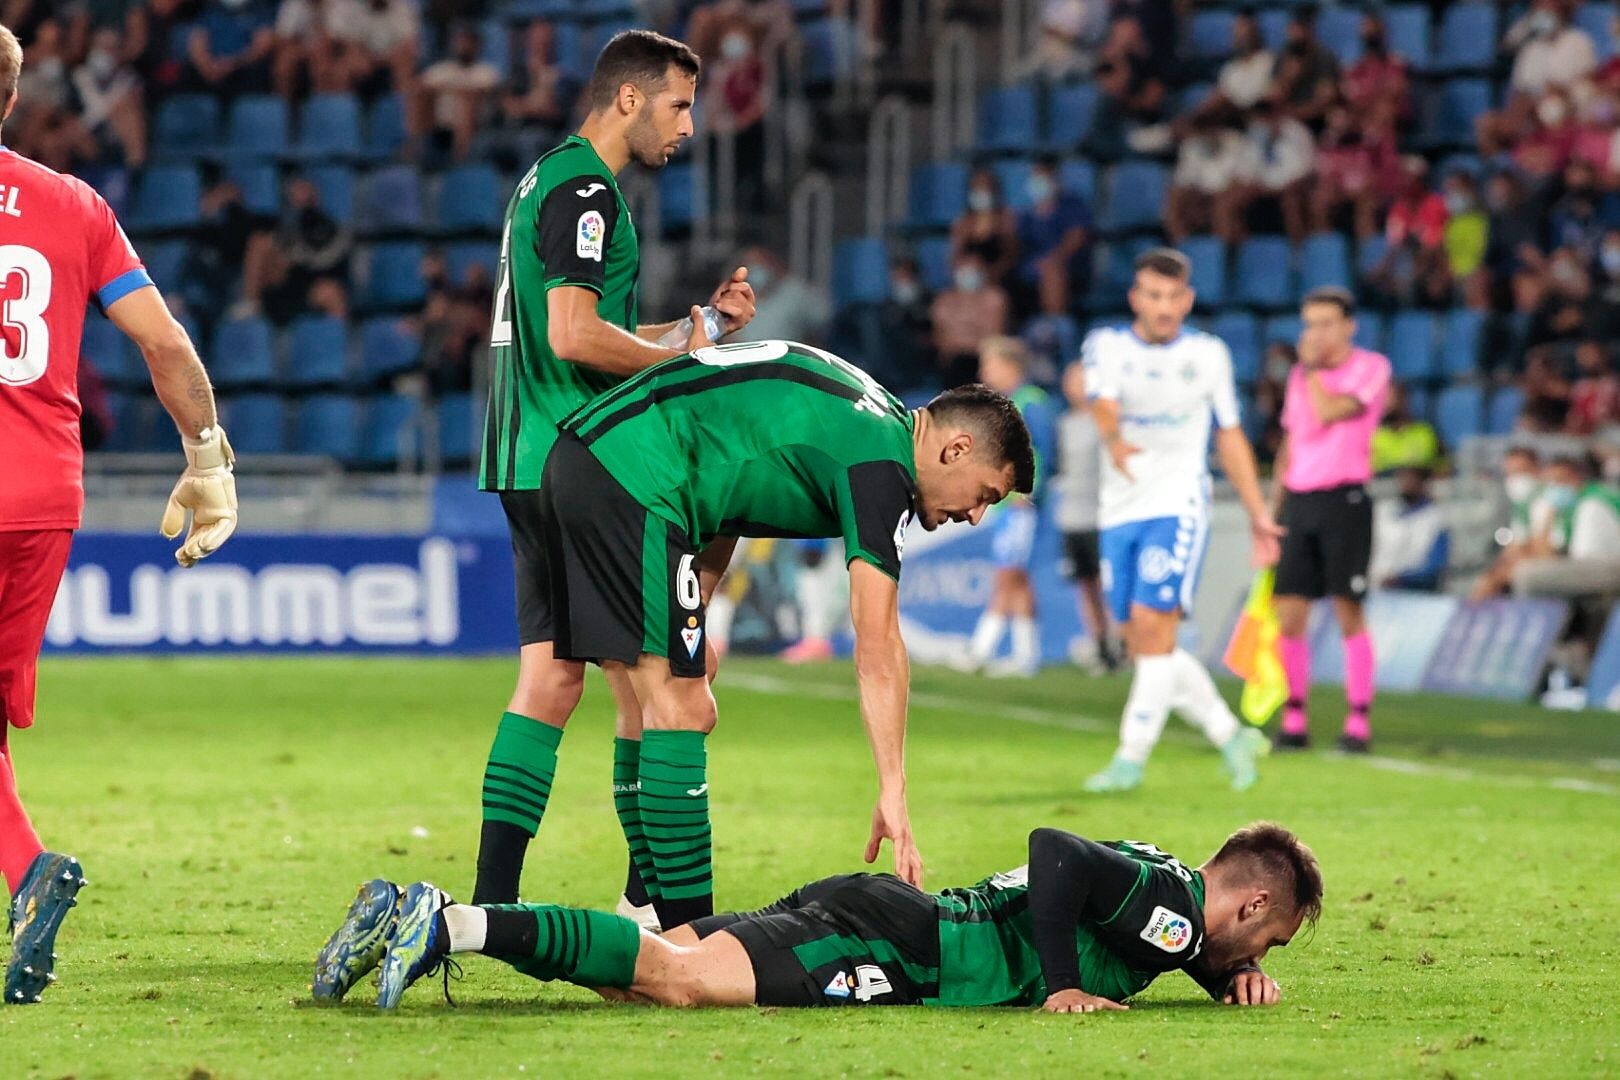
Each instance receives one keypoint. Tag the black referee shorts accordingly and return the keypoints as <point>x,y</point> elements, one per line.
<point>1081,560</point>
<point>852,939</point>
<point>1328,545</point>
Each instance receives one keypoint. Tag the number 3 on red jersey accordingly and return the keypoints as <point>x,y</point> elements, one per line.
<point>25,292</point>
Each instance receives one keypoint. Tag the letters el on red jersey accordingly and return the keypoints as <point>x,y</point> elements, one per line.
<point>60,246</point>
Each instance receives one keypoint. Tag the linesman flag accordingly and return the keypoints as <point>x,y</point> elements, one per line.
<point>1251,655</point>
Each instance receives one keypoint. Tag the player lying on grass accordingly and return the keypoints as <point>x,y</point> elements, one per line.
<point>1082,927</point>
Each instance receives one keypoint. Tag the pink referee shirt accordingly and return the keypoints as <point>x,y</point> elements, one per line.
<point>1322,456</point>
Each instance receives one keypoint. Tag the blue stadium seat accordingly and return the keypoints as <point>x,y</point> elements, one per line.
<point>387,348</point>
<point>329,127</point>
<point>166,199</point>
<point>457,420</point>
<point>261,186</point>
<point>1460,343</point>
<point>1324,259</point>
<point>1012,174</point>
<point>1076,176</point>
<point>1459,413</point>
<point>128,420</point>
<point>1209,36</point>
<point>573,51</point>
<point>242,355</point>
<point>830,48</point>
<point>1339,28</point>
<point>1463,162</point>
<point>461,257</point>
<point>1598,20</point>
<point>1113,270</point>
<point>1419,402</point>
<point>257,127</point>
<point>933,256</point>
<point>1053,337</point>
<point>317,352</point>
<point>1263,275</point>
<point>1070,112</point>
<point>1506,404</point>
<point>1136,194</point>
<point>1274,27</point>
<point>393,277</point>
<point>1009,121</point>
<point>336,185</point>
<point>1467,38</point>
<point>860,272</point>
<point>678,200</point>
<point>257,423</point>
<point>385,126</point>
<point>389,430</point>
<point>391,200</point>
<point>1411,346</point>
<point>164,260</point>
<point>1408,31</point>
<point>1370,330</point>
<point>1208,257</point>
<point>115,359</point>
<point>1282,329</point>
<point>329,424</point>
<point>469,200</point>
<point>1369,254</point>
<point>186,126</point>
<point>1449,112</point>
<point>1241,332</point>
<point>938,194</point>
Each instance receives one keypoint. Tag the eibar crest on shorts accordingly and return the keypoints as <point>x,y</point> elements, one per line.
<point>692,636</point>
<point>839,987</point>
<point>1167,930</point>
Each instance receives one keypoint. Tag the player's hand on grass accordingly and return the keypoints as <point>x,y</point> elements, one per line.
<point>891,822</point>
<point>1078,1001</point>
<point>207,489</point>
<point>1265,540</point>
<point>735,300</point>
<point>1253,988</point>
<point>1120,451</point>
<point>699,338</point>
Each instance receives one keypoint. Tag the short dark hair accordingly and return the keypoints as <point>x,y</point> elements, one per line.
<point>1166,262</point>
<point>1265,851</point>
<point>1580,464</point>
<point>1525,451</point>
<point>1339,297</point>
<point>640,57</point>
<point>997,423</point>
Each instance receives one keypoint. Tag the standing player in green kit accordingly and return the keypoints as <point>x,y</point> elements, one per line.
<point>565,329</point>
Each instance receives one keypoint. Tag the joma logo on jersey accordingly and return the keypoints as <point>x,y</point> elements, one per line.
<point>1167,930</point>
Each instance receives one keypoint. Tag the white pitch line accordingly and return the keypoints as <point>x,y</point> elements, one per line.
<point>772,684</point>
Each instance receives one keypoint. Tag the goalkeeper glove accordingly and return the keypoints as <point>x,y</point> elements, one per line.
<point>208,490</point>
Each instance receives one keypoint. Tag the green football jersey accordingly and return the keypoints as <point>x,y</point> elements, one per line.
<point>566,224</point>
<point>762,439</point>
<point>987,952</point>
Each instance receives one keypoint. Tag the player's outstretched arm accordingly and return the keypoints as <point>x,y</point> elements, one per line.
<point>1071,878</point>
<point>579,335</point>
<point>207,489</point>
<point>884,672</point>
<point>1237,460</point>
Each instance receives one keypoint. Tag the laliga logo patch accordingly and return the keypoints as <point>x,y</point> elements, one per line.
<point>839,987</point>
<point>1167,930</point>
<point>900,535</point>
<point>588,238</point>
<point>1155,565</point>
<point>692,635</point>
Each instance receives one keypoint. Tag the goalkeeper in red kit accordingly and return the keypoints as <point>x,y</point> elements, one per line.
<point>61,247</point>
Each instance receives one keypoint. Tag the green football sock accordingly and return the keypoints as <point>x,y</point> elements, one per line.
<point>675,818</point>
<point>545,941</point>
<point>627,804</point>
<point>517,783</point>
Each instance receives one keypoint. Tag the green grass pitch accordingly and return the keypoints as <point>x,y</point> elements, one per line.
<point>225,809</point>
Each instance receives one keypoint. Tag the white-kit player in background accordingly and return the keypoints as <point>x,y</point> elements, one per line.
<point>1155,386</point>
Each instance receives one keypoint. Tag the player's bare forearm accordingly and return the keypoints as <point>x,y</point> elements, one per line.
<point>1329,407</point>
<point>178,375</point>
<point>882,669</point>
<point>1237,461</point>
<point>654,331</point>
<point>1105,414</point>
<point>579,335</point>
<point>1279,469</point>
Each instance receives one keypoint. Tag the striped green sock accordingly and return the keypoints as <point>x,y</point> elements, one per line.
<point>627,804</point>
<point>517,783</point>
<point>675,818</point>
<point>544,941</point>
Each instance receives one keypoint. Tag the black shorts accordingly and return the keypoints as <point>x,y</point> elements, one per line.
<point>621,581</point>
<point>852,939</point>
<point>534,617</point>
<point>1329,543</point>
<point>1080,559</point>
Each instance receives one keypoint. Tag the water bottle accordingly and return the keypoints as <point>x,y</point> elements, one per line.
<point>714,324</point>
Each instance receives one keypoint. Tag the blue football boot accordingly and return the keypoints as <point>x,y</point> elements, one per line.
<point>356,947</point>
<point>49,890</point>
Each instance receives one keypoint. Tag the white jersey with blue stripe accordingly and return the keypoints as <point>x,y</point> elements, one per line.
<point>1167,395</point>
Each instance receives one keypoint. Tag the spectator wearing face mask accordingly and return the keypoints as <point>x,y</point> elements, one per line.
<point>110,99</point>
<point>280,267</point>
<point>1403,441</point>
<point>987,228</point>
<point>1467,237</point>
<point>1212,166</point>
<point>1054,246</point>
<point>736,96</point>
<point>1067,37</point>
<point>1581,216</point>
<point>1414,267</point>
<point>904,346</point>
<point>1377,86</point>
<point>454,94</point>
<point>1545,151</point>
<point>1307,71</point>
<point>1594,395</point>
<point>1248,74</point>
<point>1357,166</point>
<point>230,47</point>
<point>1555,291</point>
<point>963,316</point>
<point>787,307</point>
<point>1548,51</point>
<point>1282,161</point>
<point>1587,519</point>
<point>1411,543</point>
<point>1603,307</point>
<point>1527,533</point>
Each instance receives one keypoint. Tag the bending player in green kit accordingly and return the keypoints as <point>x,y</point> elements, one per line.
<point>1081,928</point>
